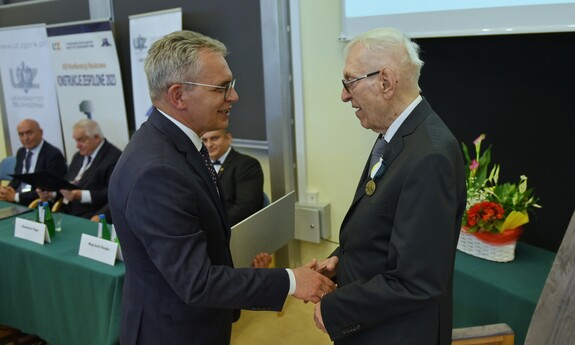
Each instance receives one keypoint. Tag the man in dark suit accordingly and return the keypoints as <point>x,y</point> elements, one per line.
<point>241,176</point>
<point>35,155</point>
<point>90,170</point>
<point>394,266</point>
<point>165,199</point>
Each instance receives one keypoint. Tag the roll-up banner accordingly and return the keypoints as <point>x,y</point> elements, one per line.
<point>145,29</point>
<point>28,83</point>
<point>88,80</point>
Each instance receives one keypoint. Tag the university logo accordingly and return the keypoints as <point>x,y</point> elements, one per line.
<point>139,43</point>
<point>105,43</point>
<point>24,77</point>
<point>56,46</point>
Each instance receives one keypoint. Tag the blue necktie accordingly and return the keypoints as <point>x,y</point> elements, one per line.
<point>27,161</point>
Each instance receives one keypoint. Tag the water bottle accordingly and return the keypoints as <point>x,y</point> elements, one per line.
<point>49,219</point>
<point>103,228</point>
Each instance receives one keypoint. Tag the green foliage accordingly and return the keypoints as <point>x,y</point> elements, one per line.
<point>483,187</point>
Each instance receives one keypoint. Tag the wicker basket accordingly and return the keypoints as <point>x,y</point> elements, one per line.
<point>470,244</point>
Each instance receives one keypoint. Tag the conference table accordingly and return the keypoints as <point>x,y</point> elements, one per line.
<point>52,292</point>
<point>487,292</point>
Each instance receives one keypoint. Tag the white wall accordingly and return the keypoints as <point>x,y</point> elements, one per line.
<point>336,145</point>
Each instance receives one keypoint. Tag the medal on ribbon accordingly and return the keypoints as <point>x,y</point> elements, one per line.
<point>375,172</point>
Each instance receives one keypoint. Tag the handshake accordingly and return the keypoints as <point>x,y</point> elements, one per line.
<point>313,280</point>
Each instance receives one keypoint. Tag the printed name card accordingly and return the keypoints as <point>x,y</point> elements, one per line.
<point>31,231</point>
<point>115,239</point>
<point>98,249</point>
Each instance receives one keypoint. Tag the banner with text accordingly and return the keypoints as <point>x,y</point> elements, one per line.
<point>88,80</point>
<point>28,83</point>
<point>145,29</point>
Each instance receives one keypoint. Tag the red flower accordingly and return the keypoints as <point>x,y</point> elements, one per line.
<point>485,214</point>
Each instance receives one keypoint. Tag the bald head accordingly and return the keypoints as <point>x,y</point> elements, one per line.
<point>30,133</point>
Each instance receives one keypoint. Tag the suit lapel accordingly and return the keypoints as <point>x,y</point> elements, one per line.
<point>227,162</point>
<point>193,157</point>
<point>41,159</point>
<point>87,175</point>
<point>394,148</point>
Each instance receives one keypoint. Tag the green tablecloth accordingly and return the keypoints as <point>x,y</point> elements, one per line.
<point>53,292</point>
<point>64,298</point>
<point>487,292</point>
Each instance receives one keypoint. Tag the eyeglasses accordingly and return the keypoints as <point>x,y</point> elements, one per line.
<point>226,87</point>
<point>347,82</point>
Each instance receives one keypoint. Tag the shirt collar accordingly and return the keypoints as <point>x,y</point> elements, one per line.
<point>187,131</point>
<point>222,159</point>
<point>397,123</point>
<point>37,149</point>
<point>95,153</point>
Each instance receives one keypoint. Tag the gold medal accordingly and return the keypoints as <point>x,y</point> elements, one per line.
<point>370,187</point>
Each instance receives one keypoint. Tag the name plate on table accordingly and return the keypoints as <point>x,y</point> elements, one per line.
<point>31,231</point>
<point>98,249</point>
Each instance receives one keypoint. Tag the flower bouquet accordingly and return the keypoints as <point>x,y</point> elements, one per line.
<point>495,213</point>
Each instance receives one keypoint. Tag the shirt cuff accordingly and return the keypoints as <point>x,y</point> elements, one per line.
<point>291,282</point>
<point>86,197</point>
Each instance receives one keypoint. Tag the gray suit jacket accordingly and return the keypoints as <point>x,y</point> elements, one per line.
<point>180,287</point>
<point>397,246</point>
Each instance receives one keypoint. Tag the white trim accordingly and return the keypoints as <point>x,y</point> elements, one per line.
<point>298,107</point>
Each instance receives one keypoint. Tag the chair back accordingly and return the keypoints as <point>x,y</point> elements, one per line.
<point>7,166</point>
<point>267,200</point>
<point>553,322</point>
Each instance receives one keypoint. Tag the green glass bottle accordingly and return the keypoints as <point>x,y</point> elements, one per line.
<point>49,219</point>
<point>38,212</point>
<point>104,231</point>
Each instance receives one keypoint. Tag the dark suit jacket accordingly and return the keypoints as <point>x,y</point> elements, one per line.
<point>242,181</point>
<point>180,287</point>
<point>95,179</point>
<point>49,158</point>
<point>397,246</point>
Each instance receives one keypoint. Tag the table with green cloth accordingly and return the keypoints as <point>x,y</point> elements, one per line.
<point>487,292</point>
<point>52,292</point>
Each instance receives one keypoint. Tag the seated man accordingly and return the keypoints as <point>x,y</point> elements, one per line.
<point>90,170</point>
<point>241,176</point>
<point>35,155</point>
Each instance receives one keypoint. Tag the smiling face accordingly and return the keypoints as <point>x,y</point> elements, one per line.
<point>205,106</point>
<point>367,95</point>
<point>381,97</point>
<point>217,143</point>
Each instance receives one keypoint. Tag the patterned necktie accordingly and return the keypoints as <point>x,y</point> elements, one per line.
<point>27,161</point>
<point>208,163</point>
<point>377,151</point>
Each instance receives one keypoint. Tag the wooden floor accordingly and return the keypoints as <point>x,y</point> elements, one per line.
<point>294,325</point>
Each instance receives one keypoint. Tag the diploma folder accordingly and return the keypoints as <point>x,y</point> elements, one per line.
<point>267,230</point>
<point>45,180</point>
